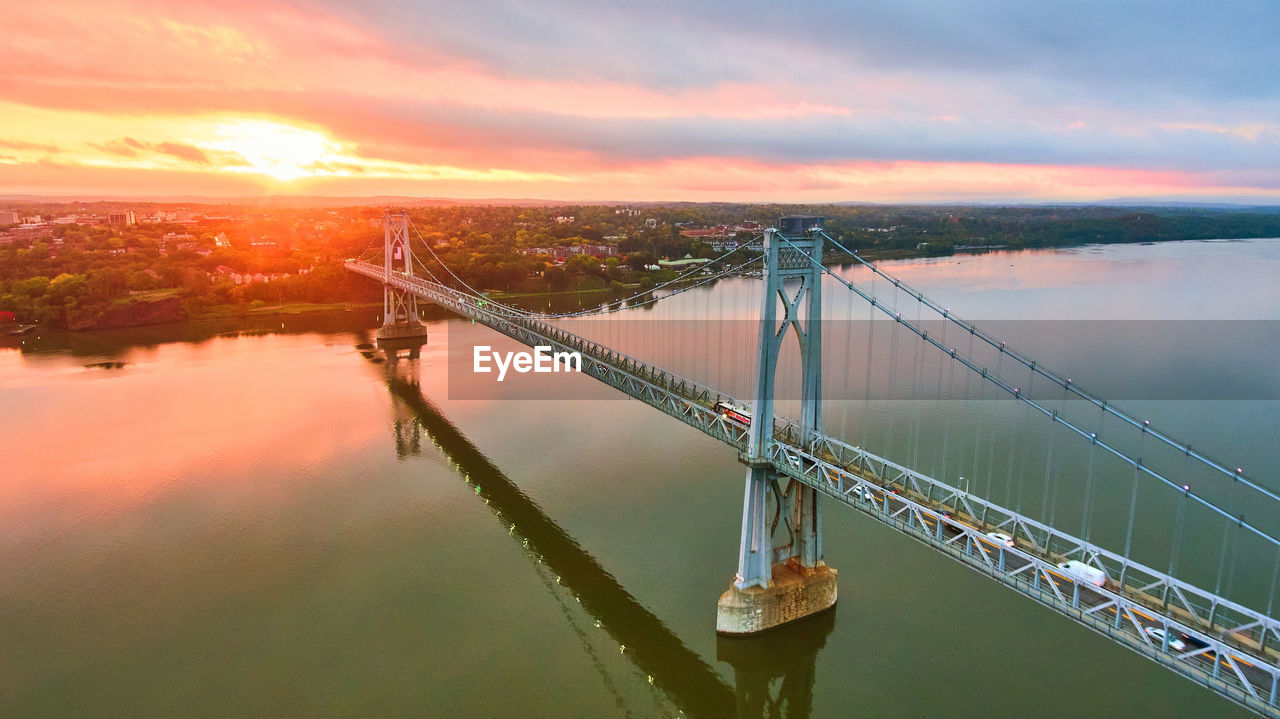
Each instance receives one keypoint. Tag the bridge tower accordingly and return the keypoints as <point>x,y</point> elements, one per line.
<point>401,329</point>
<point>784,580</point>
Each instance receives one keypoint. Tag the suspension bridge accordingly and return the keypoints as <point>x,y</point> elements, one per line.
<point>1155,553</point>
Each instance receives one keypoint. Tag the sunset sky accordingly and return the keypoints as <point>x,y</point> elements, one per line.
<point>879,101</point>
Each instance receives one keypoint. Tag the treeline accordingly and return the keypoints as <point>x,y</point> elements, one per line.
<point>84,271</point>
<point>73,272</point>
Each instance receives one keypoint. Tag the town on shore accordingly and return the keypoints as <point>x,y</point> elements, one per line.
<point>100,264</point>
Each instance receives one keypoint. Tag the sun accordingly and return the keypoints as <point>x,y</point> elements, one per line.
<point>280,151</point>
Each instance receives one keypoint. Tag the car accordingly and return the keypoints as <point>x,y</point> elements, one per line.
<point>1191,642</point>
<point>1001,538</point>
<point>1083,572</point>
<point>1157,635</point>
<point>867,496</point>
<point>734,412</point>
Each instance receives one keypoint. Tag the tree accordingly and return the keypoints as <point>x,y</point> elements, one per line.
<point>141,281</point>
<point>64,286</point>
<point>640,260</point>
<point>582,264</point>
<point>32,287</point>
<point>556,278</point>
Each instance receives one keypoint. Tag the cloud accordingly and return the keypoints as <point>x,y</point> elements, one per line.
<point>33,146</point>
<point>124,147</point>
<point>567,88</point>
<point>185,152</point>
<point>1090,48</point>
<point>130,147</point>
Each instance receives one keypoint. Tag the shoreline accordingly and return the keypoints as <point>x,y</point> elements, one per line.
<point>233,313</point>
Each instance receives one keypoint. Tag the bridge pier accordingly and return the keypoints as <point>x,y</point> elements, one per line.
<point>781,582</point>
<point>402,330</point>
<point>777,583</point>
<point>402,338</point>
<point>792,593</point>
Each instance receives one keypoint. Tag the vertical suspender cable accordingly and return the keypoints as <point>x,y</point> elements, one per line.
<point>1128,535</point>
<point>893,390</point>
<point>866,407</point>
<point>916,391</point>
<point>1085,525</point>
<point>1275,574</point>
<point>845,394</point>
<point>1174,550</point>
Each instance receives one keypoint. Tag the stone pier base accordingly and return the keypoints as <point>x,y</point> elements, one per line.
<point>793,594</point>
<point>402,330</point>
<point>402,338</point>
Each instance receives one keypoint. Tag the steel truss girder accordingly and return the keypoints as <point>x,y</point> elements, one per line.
<point>1231,636</point>
<point>1233,640</point>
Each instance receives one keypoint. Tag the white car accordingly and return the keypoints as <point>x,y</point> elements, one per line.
<point>1157,635</point>
<point>1083,572</point>
<point>1000,538</point>
<point>867,496</point>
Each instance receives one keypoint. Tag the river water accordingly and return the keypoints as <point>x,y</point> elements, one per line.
<point>271,522</point>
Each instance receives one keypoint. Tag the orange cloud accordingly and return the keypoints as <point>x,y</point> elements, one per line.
<point>268,97</point>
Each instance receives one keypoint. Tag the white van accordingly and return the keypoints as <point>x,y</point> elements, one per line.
<point>1083,572</point>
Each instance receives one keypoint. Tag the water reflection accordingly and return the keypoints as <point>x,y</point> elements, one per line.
<point>773,674</point>
<point>118,344</point>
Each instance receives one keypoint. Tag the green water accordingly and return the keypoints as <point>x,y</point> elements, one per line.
<point>272,524</point>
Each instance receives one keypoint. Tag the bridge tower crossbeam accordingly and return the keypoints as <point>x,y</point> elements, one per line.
<point>781,581</point>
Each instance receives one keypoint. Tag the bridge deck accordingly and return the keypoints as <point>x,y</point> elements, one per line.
<point>1228,647</point>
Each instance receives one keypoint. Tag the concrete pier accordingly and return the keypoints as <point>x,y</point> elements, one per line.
<point>793,593</point>
<point>402,338</point>
<point>402,330</point>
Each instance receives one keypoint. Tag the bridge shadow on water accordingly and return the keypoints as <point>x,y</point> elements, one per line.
<point>773,672</point>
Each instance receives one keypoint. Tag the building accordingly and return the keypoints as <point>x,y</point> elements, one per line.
<point>123,217</point>
<point>8,217</point>
<point>25,233</point>
<point>723,231</point>
<point>723,245</point>
<point>682,264</point>
<point>564,253</point>
<point>248,278</point>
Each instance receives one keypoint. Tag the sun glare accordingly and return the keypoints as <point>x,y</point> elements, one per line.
<point>280,151</point>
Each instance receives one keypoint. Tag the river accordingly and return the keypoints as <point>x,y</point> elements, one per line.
<point>270,522</point>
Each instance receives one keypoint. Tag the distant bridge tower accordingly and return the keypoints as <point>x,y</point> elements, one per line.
<point>401,329</point>
<point>780,582</point>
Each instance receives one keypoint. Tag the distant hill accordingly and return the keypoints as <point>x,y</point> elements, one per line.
<point>317,201</point>
<point>296,200</point>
